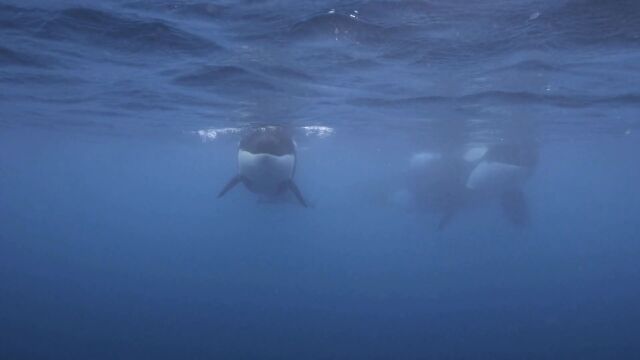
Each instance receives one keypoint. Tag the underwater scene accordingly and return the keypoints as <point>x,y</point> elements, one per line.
<point>282,179</point>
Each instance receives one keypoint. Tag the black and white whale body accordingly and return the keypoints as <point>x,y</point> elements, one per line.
<point>449,182</point>
<point>267,163</point>
<point>501,173</point>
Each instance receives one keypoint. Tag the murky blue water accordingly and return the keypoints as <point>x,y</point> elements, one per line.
<point>119,124</point>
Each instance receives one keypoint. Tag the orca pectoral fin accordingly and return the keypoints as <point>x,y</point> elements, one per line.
<point>514,206</point>
<point>230,185</point>
<point>294,189</point>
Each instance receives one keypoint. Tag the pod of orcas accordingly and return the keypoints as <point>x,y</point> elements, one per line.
<point>443,181</point>
<point>448,182</point>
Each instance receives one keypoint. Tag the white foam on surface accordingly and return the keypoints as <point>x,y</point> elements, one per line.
<point>319,131</point>
<point>207,135</point>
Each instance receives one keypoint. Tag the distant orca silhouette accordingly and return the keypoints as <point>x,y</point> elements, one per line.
<point>448,183</point>
<point>266,163</point>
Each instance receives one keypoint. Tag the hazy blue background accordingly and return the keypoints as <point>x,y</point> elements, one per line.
<point>113,246</point>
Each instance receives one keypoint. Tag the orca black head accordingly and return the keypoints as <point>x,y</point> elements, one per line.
<point>273,140</point>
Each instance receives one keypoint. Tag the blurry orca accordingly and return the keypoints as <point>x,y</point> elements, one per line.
<point>502,172</point>
<point>449,182</point>
<point>266,163</point>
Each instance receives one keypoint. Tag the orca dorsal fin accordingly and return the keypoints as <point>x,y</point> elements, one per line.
<point>231,184</point>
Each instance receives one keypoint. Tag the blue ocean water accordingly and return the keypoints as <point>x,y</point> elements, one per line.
<point>120,122</point>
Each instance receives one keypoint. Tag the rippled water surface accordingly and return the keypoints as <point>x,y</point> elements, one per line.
<point>184,65</point>
<point>119,122</point>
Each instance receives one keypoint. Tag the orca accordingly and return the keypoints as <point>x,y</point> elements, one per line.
<point>502,167</point>
<point>449,182</point>
<point>267,163</point>
<point>501,173</point>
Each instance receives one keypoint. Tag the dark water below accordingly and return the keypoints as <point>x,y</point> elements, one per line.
<point>119,124</point>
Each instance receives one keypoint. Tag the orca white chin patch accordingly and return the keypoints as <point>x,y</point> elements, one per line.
<point>496,176</point>
<point>265,171</point>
